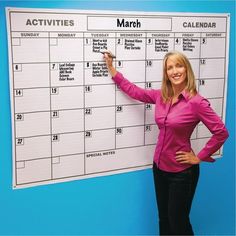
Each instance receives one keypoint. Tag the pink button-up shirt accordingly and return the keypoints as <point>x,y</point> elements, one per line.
<point>176,123</point>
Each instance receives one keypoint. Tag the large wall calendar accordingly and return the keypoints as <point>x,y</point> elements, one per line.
<point>69,120</point>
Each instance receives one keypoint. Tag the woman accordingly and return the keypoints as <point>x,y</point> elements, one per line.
<point>179,108</point>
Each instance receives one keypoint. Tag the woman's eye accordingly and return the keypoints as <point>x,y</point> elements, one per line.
<point>179,65</point>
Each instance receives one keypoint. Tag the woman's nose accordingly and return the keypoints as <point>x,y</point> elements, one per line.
<point>175,70</point>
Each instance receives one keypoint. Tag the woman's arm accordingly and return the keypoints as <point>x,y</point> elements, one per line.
<point>132,90</point>
<point>219,132</point>
<point>109,62</point>
<point>135,92</point>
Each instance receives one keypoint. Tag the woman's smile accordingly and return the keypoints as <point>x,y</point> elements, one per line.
<point>176,73</point>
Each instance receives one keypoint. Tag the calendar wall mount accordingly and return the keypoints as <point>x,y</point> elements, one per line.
<point>69,120</point>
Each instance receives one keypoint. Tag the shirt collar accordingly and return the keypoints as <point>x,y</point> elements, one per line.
<point>185,94</point>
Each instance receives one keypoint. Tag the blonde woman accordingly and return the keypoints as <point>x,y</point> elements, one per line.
<point>179,108</point>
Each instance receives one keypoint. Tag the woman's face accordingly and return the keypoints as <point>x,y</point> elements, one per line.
<point>176,73</point>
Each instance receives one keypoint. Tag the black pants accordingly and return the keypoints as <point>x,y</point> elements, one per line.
<point>174,194</point>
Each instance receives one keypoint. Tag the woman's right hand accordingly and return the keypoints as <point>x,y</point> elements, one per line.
<point>109,62</point>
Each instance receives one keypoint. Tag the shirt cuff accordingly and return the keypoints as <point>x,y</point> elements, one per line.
<point>205,157</point>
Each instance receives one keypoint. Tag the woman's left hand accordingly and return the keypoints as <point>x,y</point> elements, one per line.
<point>187,158</point>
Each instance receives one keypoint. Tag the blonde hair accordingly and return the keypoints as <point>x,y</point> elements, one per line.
<point>166,88</point>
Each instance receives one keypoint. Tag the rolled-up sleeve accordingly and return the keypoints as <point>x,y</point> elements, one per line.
<point>135,92</point>
<point>219,132</point>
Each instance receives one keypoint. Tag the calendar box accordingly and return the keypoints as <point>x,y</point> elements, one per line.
<point>151,134</point>
<point>16,42</point>
<point>103,95</point>
<point>68,98</point>
<point>100,140</point>
<point>74,143</point>
<point>30,100</point>
<point>68,166</point>
<point>100,118</point>
<point>69,119</point>
<point>128,68</point>
<point>126,117</point>
<point>33,124</point>
<point>68,49</point>
<point>34,171</point>
<point>131,137</point>
<point>212,68</point>
<point>34,148</point>
<point>31,75</point>
<point>31,50</point>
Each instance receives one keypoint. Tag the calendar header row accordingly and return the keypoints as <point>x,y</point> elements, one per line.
<point>31,21</point>
<point>113,35</point>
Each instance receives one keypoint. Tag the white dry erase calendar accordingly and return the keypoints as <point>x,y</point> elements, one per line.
<point>69,120</point>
